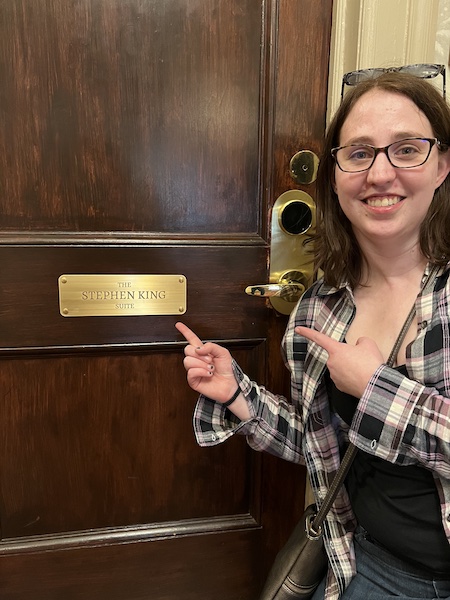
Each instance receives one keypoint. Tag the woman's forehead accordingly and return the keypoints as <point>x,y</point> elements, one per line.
<point>381,113</point>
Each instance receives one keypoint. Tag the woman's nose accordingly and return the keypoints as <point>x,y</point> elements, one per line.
<point>381,170</point>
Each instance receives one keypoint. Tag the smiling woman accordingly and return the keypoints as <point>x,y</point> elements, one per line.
<point>385,199</point>
<point>383,246</point>
<point>358,121</point>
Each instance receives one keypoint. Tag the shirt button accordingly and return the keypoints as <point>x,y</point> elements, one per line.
<point>213,437</point>
<point>373,444</point>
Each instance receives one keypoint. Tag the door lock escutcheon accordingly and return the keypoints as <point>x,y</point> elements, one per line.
<point>291,265</point>
<point>303,167</point>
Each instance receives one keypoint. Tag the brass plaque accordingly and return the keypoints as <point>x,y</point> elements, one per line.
<point>121,295</point>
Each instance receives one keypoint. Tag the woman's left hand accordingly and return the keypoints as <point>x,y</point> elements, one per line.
<point>351,367</point>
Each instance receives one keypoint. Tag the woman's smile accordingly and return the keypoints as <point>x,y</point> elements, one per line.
<point>383,201</point>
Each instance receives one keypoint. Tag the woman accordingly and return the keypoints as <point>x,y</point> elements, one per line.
<point>383,203</point>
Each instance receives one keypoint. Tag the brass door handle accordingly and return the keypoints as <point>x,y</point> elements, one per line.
<point>290,287</point>
<point>291,267</point>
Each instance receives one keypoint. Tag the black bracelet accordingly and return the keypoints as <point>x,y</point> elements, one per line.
<point>233,398</point>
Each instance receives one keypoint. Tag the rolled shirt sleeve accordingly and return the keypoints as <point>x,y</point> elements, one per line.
<point>274,425</point>
<point>403,422</point>
<point>214,424</point>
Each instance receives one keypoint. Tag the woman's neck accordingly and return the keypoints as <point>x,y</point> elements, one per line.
<point>399,265</point>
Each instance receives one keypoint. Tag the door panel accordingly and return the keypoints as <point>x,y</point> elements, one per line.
<point>72,465</point>
<point>143,137</point>
<point>224,561</point>
<point>137,116</point>
<point>29,293</point>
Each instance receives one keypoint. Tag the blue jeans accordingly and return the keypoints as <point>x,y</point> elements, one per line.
<point>381,576</point>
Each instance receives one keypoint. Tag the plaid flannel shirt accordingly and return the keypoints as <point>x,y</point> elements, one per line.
<point>404,420</point>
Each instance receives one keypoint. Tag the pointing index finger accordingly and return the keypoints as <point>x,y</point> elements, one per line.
<point>189,335</point>
<point>319,338</point>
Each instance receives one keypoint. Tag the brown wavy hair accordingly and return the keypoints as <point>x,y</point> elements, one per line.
<point>335,249</point>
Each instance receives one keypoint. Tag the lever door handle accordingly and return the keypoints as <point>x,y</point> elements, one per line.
<point>291,266</point>
<point>290,287</point>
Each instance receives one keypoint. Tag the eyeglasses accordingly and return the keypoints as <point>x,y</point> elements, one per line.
<point>423,71</point>
<point>404,154</point>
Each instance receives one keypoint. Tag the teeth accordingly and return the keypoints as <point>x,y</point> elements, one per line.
<point>383,201</point>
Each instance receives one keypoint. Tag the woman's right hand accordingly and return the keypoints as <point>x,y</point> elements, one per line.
<point>209,367</point>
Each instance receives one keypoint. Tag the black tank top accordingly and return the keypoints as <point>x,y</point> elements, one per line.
<point>397,505</point>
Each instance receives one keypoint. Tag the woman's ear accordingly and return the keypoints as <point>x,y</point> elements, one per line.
<point>443,167</point>
<point>333,183</point>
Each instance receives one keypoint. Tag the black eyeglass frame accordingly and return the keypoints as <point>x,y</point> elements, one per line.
<point>376,72</point>
<point>384,150</point>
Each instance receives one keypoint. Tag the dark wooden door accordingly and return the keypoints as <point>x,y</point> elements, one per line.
<point>143,137</point>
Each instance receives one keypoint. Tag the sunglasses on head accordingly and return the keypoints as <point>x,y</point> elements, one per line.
<point>424,71</point>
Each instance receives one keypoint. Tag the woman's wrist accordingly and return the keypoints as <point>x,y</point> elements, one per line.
<point>232,399</point>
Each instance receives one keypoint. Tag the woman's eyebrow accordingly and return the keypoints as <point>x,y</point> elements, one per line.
<point>397,136</point>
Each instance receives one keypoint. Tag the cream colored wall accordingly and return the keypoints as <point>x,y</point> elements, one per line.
<point>442,45</point>
<point>381,33</point>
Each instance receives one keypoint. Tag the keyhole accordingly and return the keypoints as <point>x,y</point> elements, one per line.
<point>296,217</point>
